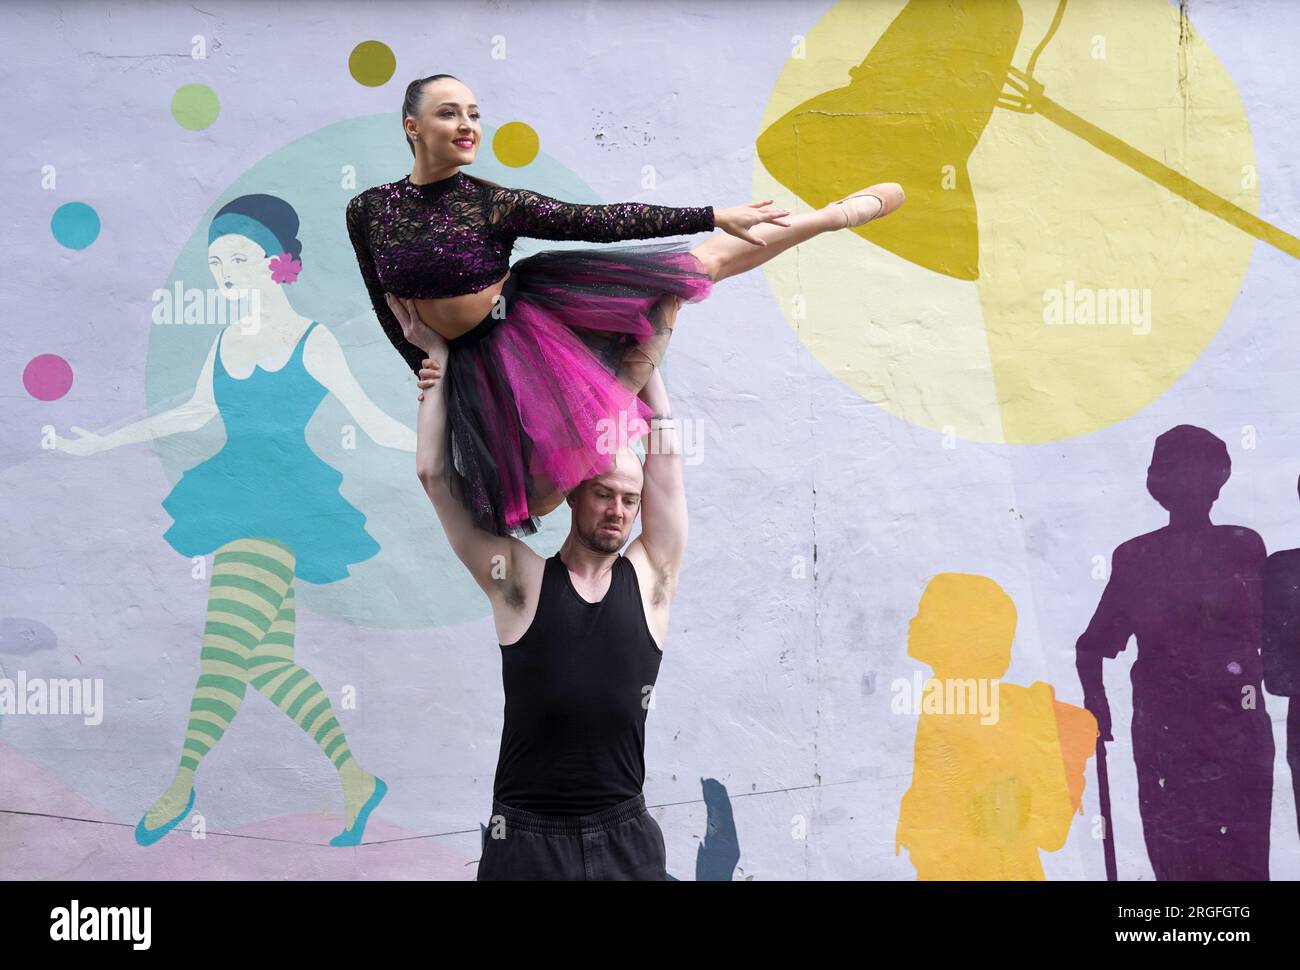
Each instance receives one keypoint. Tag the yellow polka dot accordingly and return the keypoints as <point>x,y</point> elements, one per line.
<point>372,63</point>
<point>515,144</point>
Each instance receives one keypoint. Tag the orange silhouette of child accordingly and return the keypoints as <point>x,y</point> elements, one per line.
<point>989,788</point>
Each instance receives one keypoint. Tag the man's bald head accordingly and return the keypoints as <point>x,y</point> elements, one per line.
<point>604,507</point>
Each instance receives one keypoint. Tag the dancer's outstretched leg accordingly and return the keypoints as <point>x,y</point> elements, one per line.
<point>724,255</point>
<point>639,361</point>
<point>273,671</point>
<point>249,581</point>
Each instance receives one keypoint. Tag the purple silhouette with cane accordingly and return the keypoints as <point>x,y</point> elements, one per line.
<point>1191,593</point>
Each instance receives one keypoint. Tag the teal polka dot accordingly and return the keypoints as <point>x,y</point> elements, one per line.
<point>75,225</point>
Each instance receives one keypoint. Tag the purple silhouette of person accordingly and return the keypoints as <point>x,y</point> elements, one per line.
<point>1281,647</point>
<point>1191,593</point>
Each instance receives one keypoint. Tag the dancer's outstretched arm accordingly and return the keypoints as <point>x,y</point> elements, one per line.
<point>663,494</point>
<point>522,212</point>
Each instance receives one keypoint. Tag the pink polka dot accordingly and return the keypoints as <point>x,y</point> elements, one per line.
<point>47,377</point>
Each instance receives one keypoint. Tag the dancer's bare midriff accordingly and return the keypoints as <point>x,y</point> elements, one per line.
<point>452,316</point>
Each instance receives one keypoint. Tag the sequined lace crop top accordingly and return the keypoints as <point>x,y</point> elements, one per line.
<point>455,235</point>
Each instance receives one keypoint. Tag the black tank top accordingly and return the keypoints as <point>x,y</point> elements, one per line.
<point>577,687</point>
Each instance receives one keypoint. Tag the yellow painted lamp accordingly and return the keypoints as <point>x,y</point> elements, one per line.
<point>920,101</point>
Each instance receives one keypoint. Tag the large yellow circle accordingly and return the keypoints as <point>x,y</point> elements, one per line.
<point>1055,215</point>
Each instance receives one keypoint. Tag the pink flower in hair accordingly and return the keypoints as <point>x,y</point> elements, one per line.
<point>284,268</point>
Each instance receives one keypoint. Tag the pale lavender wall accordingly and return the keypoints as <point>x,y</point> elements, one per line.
<point>776,686</point>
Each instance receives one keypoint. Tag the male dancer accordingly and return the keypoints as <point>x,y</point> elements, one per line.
<point>581,637</point>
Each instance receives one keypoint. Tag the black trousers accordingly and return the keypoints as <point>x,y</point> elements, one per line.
<point>621,842</point>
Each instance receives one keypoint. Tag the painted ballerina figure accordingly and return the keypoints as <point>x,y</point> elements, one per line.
<point>265,504</point>
<point>544,352</point>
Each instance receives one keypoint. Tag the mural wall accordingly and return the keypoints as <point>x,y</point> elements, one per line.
<point>992,569</point>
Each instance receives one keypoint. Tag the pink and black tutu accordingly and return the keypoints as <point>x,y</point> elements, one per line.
<point>536,389</point>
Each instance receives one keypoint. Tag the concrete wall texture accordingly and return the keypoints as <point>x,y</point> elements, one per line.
<point>1018,396</point>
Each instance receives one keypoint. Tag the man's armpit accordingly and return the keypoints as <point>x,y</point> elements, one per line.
<point>663,585</point>
<point>512,594</point>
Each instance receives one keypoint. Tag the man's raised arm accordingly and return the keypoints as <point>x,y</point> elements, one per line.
<point>663,491</point>
<point>489,558</point>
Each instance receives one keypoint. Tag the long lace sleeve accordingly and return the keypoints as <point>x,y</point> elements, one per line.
<point>356,218</point>
<point>522,212</point>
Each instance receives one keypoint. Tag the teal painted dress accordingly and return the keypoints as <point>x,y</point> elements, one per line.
<point>265,482</point>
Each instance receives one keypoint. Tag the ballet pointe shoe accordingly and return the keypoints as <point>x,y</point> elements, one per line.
<point>858,211</point>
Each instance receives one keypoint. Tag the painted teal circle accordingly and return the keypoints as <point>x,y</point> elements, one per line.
<point>415,581</point>
<point>75,225</point>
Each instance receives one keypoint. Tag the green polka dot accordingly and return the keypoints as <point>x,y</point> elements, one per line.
<point>372,63</point>
<point>515,144</point>
<point>195,106</point>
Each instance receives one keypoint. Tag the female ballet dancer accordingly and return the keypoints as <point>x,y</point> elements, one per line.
<point>532,378</point>
<point>265,504</point>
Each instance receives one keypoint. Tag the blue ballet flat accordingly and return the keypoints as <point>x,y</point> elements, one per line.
<point>148,836</point>
<point>352,835</point>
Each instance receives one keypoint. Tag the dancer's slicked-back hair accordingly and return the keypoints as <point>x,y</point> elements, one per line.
<point>411,103</point>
